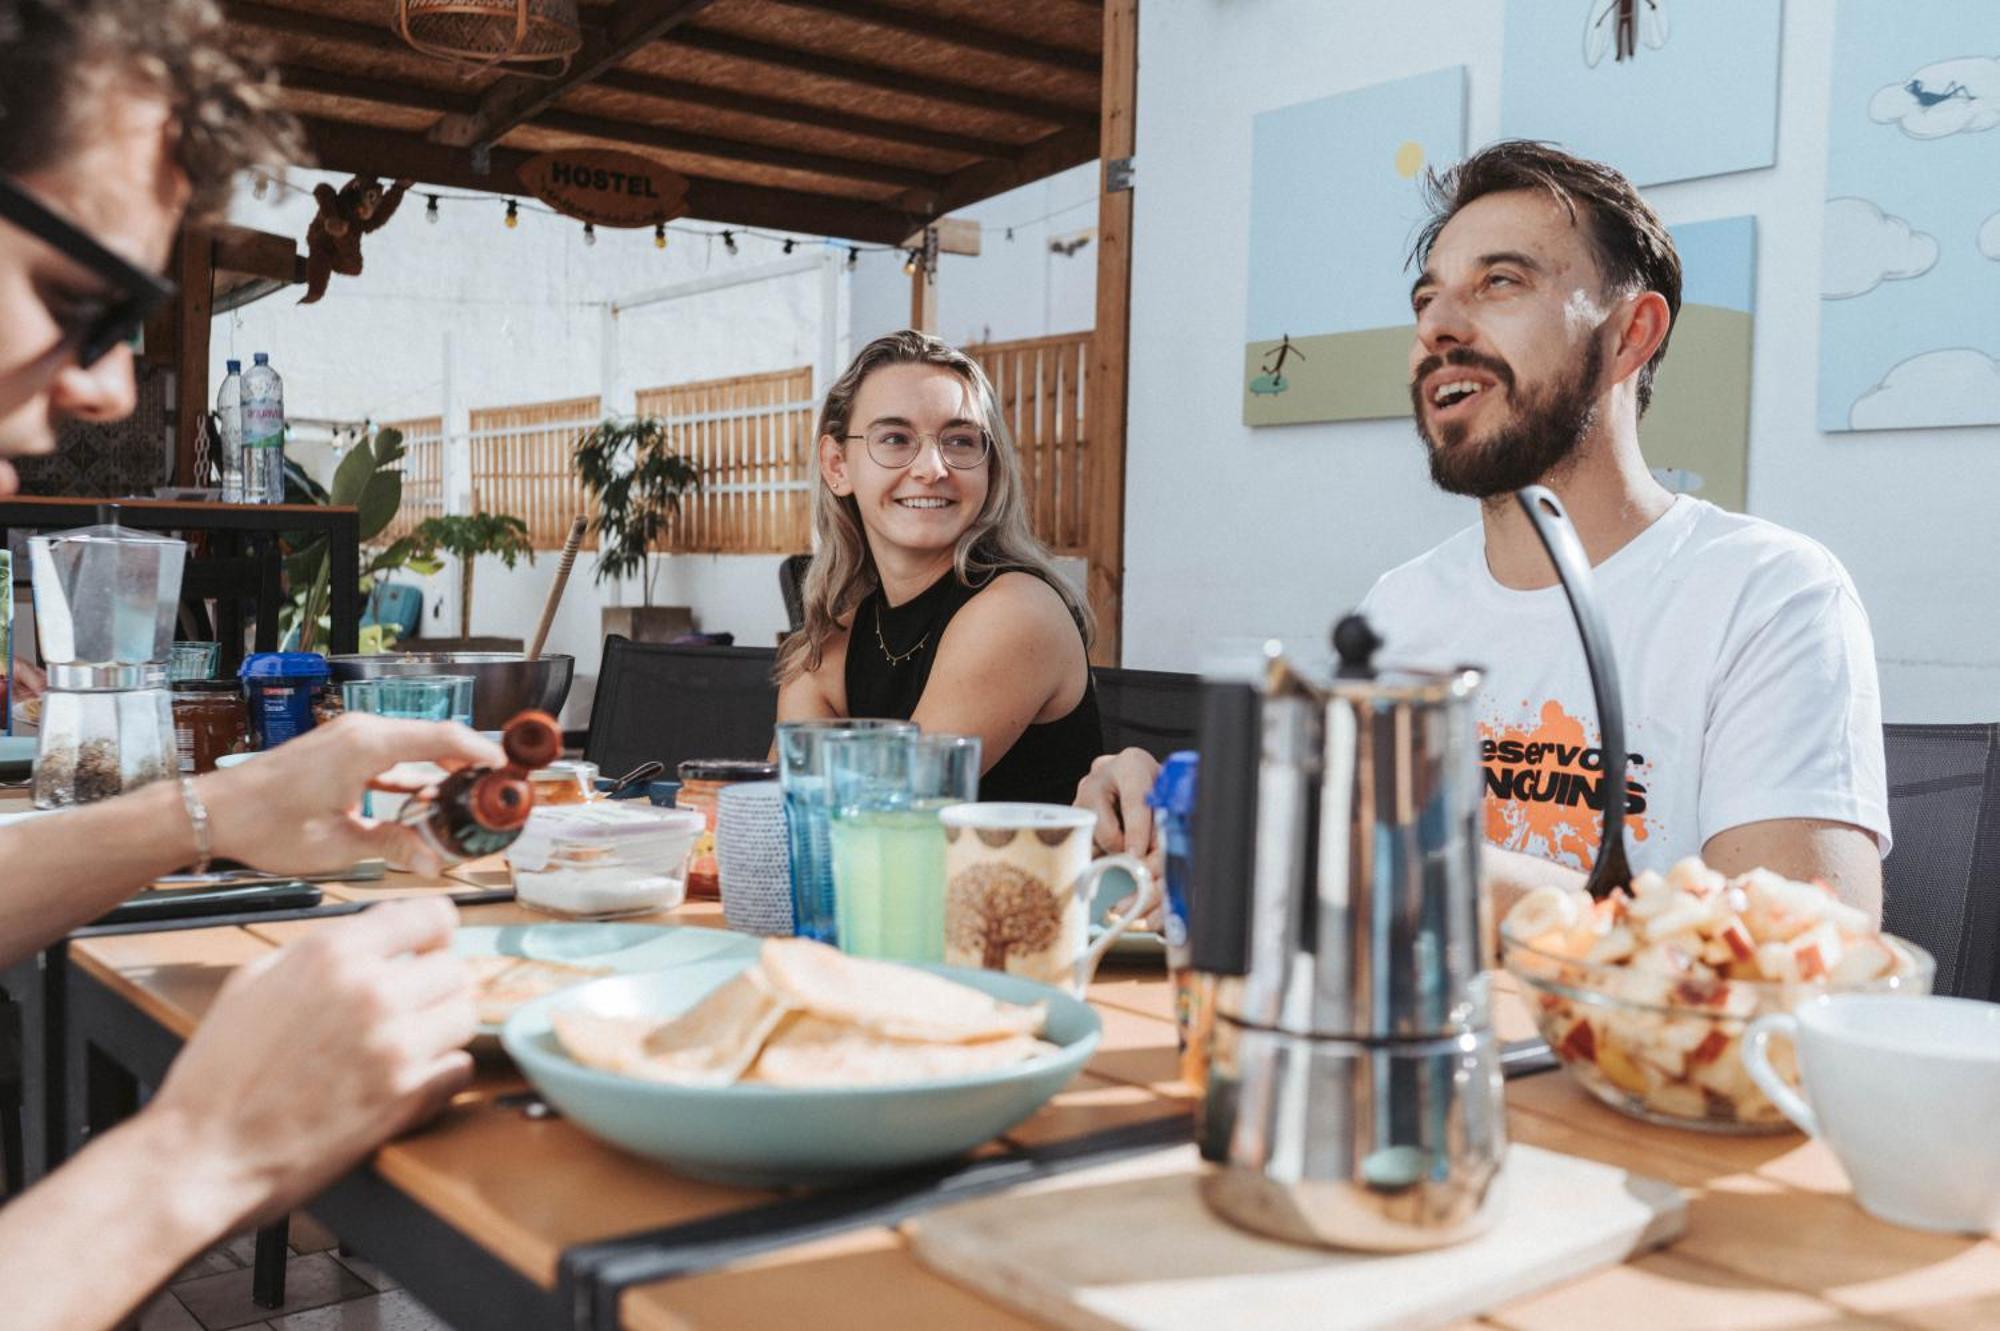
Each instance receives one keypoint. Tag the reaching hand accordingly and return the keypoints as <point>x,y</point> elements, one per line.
<point>1115,790</point>
<point>296,809</point>
<point>311,1057</point>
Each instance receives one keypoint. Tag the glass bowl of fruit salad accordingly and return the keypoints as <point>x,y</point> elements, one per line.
<point>1645,995</point>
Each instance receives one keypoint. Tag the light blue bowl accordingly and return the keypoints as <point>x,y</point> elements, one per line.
<point>763,1136</point>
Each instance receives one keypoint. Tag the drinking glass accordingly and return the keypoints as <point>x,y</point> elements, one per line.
<point>412,697</point>
<point>888,845</point>
<point>802,773</point>
<point>192,660</point>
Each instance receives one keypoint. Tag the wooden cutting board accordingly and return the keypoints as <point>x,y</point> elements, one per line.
<point>1133,1246</point>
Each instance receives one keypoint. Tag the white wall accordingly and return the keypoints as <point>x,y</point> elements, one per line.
<point>1014,288</point>
<point>1332,506</point>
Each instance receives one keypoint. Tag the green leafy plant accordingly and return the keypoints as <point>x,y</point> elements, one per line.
<point>636,481</point>
<point>370,480</point>
<point>467,536</point>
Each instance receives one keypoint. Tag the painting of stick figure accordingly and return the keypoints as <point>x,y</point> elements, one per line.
<point>1661,89</point>
<point>1272,380</point>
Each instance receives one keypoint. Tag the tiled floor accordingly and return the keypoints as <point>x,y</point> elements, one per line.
<point>324,1291</point>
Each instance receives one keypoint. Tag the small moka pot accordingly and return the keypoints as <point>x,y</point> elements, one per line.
<point>1353,1096</point>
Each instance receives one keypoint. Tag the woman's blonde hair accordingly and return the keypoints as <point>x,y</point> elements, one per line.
<point>842,572</point>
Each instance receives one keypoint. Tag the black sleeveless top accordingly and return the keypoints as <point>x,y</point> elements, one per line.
<point>1048,759</point>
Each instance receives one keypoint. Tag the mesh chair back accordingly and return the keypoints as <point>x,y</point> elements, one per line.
<point>1941,882</point>
<point>675,703</point>
<point>792,586</point>
<point>1152,710</point>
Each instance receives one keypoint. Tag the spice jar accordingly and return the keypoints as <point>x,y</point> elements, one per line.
<point>210,719</point>
<point>564,783</point>
<point>702,779</point>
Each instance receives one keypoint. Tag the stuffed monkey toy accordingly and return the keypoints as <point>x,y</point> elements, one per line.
<point>333,241</point>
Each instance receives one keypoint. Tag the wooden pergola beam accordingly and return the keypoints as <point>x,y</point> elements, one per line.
<point>883,76</point>
<point>790,112</point>
<point>1058,152</point>
<point>318,27</point>
<point>340,146</point>
<point>763,154</point>
<point>956,32</point>
<point>1110,349</point>
<point>518,98</point>
<point>383,92</point>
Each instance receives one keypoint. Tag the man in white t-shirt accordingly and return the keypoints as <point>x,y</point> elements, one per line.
<point>1547,292</point>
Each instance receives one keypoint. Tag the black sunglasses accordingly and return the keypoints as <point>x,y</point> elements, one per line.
<point>140,293</point>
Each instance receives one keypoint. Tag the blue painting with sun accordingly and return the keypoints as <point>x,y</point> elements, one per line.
<point>1335,203</point>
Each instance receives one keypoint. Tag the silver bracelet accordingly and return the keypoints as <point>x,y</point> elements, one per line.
<point>198,815</point>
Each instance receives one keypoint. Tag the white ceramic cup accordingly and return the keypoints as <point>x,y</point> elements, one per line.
<point>1904,1089</point>
<point>1019,884</point>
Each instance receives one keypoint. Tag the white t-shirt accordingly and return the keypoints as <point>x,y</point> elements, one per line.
<point>1747,669</point>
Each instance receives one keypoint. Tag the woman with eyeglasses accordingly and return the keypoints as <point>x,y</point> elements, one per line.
<point>929,599</point>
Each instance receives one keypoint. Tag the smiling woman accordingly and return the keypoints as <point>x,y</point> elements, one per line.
<point>929,599</point>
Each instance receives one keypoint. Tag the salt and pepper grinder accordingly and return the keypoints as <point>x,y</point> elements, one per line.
<point>481,810</point>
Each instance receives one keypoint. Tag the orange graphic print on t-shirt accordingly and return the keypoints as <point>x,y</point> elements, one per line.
<point>1545,788</point>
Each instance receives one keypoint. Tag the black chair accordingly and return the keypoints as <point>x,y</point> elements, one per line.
<point>674,703</point>
<point>1941,882</point>
<point>792,586</point>
<point>1153,710</point>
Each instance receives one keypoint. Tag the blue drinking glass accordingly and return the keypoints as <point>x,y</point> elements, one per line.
<point>808,802</point>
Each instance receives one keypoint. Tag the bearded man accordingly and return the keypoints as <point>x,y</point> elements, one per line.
<point>1546,295</point>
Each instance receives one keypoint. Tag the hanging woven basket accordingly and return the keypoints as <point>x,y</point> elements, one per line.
<point>522,34</point>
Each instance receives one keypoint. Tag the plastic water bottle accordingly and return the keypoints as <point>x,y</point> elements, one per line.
<point>263,433</point>
<point>229,411</point>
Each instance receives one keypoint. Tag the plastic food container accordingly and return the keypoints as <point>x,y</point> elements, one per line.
<point>280,688</point>
<point>597,861</point>
<point>564,783</point>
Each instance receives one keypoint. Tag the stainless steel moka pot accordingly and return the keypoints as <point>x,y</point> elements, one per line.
<point>1353,1096</point>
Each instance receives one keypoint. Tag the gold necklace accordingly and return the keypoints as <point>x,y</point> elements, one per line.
<point>895,658</point>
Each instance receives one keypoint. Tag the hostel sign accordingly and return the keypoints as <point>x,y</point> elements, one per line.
<point>606,187</point>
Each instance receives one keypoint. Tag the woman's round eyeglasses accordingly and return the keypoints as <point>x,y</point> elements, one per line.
<point>897,446</point>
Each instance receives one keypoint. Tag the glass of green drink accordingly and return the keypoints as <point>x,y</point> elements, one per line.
<point>888,845</point>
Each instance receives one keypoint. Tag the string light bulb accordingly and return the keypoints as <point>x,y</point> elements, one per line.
<point>853,256</point>
<point>513,215</point>
<point>659,235</point>
<point>788,246</point>
<point>261,188</point>
<point>590,233</point>
<point>431,210</point>
<point>910,264</point>
<point>729,241</point>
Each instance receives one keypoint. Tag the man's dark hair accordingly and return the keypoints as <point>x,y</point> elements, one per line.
<point>57,57</point>
<point>1632,247</point>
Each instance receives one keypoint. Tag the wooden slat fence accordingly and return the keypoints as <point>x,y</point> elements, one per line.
<point>423,475</point>
<point>752,438</point>
<point>1043,387</point>
<point>521,465</point>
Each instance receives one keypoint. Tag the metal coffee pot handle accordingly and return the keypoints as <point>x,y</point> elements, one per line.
<point>1559,538</point>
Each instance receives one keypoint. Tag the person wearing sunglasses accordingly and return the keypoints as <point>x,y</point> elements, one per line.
<point>929,599</point>
<point>118,118</point>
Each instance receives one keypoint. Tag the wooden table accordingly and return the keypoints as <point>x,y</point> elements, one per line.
<point>473,1213</point>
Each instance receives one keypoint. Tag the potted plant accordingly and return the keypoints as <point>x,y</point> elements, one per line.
<point>635,480</point>
<point>368,479</point>
<point>467,536</point>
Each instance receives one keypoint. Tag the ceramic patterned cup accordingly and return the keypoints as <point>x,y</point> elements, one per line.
<point>1019,881</point>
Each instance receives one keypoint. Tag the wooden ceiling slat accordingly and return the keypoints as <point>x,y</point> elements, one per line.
<point>956,32</point>
<point>903,81</point>
<point>387,93</point>
<point>785,111</point>
<point>1059,152</point>
<point>658,136</point>
<point>518,98</point>
<point>341,146</point>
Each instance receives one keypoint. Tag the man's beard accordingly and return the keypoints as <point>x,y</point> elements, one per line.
<point>1545,432</point>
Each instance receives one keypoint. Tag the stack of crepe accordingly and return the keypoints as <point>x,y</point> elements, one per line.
<point>808,1015</point>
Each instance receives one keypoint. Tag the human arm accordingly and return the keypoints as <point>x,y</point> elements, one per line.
<point>306,1061</point>
<point>292,810</point>
<point>1115,790</point>
<point>1010,657</point>
<point>820,692</point>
